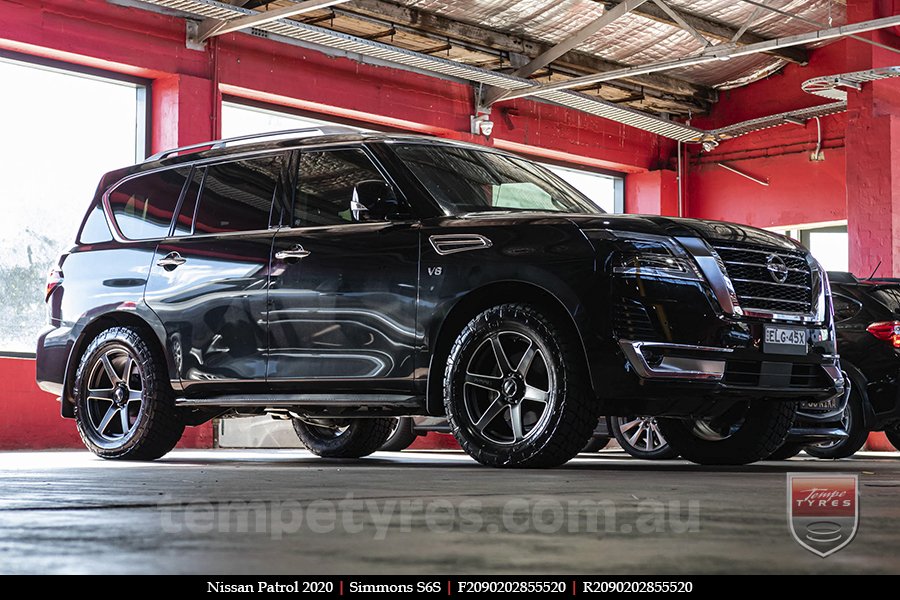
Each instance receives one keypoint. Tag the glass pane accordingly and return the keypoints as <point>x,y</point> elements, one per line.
<point>143,207</point>
<point>185,222</point>
<point>62,131</point>
<point>466,180</point>
<point>830,249</point>
<point>237,196</point>
<point>326,183</point>
<point>240,119</point>
<point>601,189</point>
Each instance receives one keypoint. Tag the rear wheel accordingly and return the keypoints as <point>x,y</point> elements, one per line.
<point>515,390</point>
<point>746,433</point>
<point>343,438</point>
<point>402,435</point>
<point>641,438</point>
<point>852,421</point>
<point>124,408</point>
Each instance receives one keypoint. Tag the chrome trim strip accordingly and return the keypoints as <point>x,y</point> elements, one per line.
<point>451,243</point>
<point>674,367</point>
<point>714,270</point>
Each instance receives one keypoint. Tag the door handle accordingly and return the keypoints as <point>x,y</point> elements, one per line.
<point>295,253</point>
<point>172,260</point>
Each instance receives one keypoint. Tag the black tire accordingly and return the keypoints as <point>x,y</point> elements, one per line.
<point>893,436</point>
<point>486,403</point>
<point>786,451</point>
<point>343,438</point>
<point>402,436</point>
<point>596,444</point>
<point>754,432</point>
<point>853,422</point>
<point>644,430</point>
<point>124,407</point>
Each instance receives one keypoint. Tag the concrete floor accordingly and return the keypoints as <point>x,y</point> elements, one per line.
<point>68,512</point>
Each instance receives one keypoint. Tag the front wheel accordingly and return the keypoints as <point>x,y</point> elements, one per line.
<point>857,434</point>
<point>402,435</point>
<point>343,438</point>
<point>515,389</point>
<point>124,408</point>
<point>746,433</point>
<point>893,436</point>
<point>641,438</point>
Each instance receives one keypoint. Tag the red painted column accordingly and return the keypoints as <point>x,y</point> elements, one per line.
<point>652,193</point>
<point>185,110</point>
<point>873,151</point>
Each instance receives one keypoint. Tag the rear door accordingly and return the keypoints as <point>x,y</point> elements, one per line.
<point>343,290</point>
<point>209,278</point>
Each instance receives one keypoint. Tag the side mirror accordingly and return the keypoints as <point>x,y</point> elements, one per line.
<point>373,200</point>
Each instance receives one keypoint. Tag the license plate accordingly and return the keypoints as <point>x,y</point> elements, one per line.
<point>784,340</point>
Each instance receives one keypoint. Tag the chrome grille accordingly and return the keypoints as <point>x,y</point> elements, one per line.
<point>757,289</point>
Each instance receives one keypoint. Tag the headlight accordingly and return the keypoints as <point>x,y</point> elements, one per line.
<point>646,255</point>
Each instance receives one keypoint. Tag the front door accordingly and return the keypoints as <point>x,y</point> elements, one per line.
<point>208,283</point>
<point>343,287</point>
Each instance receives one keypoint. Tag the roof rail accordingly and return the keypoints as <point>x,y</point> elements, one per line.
<point>216,144</point>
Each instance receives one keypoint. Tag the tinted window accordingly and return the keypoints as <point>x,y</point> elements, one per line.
<point>143,206</point>
<point>325,185</point>
<point>238,195</point>
<point>467,180</point>
<point>844,307</point>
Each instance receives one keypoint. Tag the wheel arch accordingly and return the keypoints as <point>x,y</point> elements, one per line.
<point>90,330</point>
<point>859,383</point>
<point>480,299</point>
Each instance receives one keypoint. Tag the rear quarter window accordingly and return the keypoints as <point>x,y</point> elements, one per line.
<point>844,308</point>
<point>143,207</point>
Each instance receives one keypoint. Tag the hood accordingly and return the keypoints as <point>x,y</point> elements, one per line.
<point>718,231</point>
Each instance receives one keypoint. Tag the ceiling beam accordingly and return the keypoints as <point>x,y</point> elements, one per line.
<point>713,53</point>
<point>212,27</point>
<point>579,37</point>
<point>714,29</point>
<point>426,21</point>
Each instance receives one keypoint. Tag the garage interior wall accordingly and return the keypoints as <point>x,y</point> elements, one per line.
<point>186,88</point>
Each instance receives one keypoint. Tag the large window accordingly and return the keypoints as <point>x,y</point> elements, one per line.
<point>243,119</point>
<point>827,242</point>
<point>606,191</point>
<point>61,131</point>
<point>325,185</point>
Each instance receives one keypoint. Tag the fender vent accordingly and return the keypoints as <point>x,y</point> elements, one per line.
<point>463,242</point>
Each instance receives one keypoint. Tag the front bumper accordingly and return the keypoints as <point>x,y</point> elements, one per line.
<point>735,369</point>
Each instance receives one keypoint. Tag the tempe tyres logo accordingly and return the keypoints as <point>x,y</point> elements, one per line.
<point>823,511</point>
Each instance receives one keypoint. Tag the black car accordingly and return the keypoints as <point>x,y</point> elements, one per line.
<point>341,279</point>
<point>867,318</point>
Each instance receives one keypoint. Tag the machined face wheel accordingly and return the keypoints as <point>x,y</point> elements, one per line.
<point>508,388</point>
<point>114,398</point>
<point>642,433</point>
<point>846,424</point>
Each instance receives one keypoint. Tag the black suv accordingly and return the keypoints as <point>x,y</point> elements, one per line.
<point>339,279</point>
<point>867,317</point>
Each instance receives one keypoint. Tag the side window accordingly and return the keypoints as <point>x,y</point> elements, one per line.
<point>844,307</point>
<point>143,207</point>
<point>237,195</point>
<point>325,185</point>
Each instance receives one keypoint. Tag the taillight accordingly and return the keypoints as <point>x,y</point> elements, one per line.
<point>889,331</point>
<point>54,280</point>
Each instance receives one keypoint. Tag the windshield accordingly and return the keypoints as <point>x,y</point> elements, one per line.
<point>465,180</point>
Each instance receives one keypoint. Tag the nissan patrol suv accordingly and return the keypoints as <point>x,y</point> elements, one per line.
<point>342,279</point>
